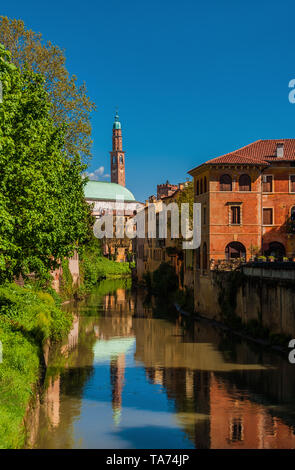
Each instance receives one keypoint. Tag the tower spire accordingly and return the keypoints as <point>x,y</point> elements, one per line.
<point>117,154</point>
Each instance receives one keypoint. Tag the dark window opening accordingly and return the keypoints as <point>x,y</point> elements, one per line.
<point>204,215</point>
<point>267,216</point>
<point>205,256</point>
<point>225,183</point>
<point>198,257</point>
<point>236,430</point>
<point>235,215</point>
<point>267,184</point>
<point>245,183</point>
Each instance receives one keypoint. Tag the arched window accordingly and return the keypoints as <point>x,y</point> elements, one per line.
<point>205,184</point>
<point>245,183</point>
<point>198,188</point>
<point>293,213</point>
<point>235,250</point>
<point>114,159</point>
<point>201,188</point>
<point>225,183</point>
<point>205,256</point>
<point>121,159</point>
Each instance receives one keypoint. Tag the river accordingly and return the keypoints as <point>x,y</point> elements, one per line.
<point>133,375</point>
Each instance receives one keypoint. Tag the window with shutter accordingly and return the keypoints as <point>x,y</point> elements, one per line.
<point>267,183</point>
<point>235,215</point>
<point>267,216</point>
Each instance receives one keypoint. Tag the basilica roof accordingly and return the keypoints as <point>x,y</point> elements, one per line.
<point>102,190</point>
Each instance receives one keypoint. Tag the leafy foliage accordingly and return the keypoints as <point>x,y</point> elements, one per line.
<point>164,280</point>
<point>70,102</point>
<point>43,213</point>
<point>187,196</point>
<point>94,266</point>
<point>27,318</point>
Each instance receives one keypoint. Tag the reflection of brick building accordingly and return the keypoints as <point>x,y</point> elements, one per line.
<point>242,424</point>
<point>247,196</point>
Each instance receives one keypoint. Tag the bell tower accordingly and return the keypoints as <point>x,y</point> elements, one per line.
<point>117,154</point>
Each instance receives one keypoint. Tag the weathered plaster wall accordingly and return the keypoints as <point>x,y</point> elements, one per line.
<point>269,301</point>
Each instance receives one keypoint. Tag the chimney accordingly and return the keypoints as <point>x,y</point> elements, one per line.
<point>280,150</point>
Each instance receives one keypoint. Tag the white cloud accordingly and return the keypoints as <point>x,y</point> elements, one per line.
<point>97,174</point>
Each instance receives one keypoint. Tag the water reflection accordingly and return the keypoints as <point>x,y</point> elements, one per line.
<point>129,377</point>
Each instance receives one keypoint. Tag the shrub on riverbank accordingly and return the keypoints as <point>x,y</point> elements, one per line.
<point>27,318</point>
<point>95,267</point>
<point>164,280</point>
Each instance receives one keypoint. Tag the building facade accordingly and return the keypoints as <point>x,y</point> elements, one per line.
<point>248,203</point>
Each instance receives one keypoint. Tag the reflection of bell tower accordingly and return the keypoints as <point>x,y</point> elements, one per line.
<point>117,154</point>
<point>117,382</point>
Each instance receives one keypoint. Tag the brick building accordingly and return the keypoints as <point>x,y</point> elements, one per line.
<point>248,202</point>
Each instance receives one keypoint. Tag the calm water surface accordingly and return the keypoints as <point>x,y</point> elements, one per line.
<point>131,375</point>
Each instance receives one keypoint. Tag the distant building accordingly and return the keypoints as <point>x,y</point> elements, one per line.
<point>104,196</point>
<point>151,252</point>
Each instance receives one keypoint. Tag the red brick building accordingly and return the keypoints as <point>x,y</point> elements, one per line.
<point>248,202</point>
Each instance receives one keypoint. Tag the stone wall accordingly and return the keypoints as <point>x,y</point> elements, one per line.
<point>267,298</point>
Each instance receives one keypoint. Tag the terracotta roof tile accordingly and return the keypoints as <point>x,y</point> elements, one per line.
<point>260,152</point>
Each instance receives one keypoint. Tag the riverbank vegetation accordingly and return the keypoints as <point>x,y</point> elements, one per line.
<point>94,267</point>
<point>28,318</point>
<point>44,218</point>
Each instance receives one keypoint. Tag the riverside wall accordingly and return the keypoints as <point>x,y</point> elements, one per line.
<point>255,292</point>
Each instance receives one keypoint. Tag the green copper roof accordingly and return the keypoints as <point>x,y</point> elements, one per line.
<point>117,124</point>
<point>107,191</point>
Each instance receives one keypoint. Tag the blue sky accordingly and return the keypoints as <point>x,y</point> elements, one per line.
<point>192,80</point>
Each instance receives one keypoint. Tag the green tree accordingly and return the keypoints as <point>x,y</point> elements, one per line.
<point>70,102</point>
<point>43,212</point>
<point>187,196</point>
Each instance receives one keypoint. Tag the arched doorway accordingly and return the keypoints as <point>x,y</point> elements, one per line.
<point>235,250</point>
<point>275,249</point>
